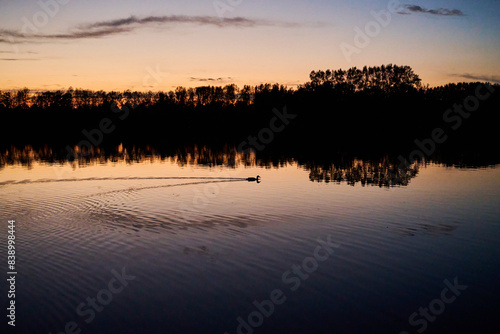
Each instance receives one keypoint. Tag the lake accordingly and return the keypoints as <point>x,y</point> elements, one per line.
<point>169,245</point>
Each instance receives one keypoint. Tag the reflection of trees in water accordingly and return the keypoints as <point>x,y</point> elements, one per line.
<point>323,166</point>
<point>384,173</point>
<point>206,156</point>
<point>185,156</point>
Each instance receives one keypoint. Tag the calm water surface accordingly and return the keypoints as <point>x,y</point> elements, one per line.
<point>203,244</point>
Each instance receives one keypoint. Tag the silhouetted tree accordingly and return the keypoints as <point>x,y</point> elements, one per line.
<point>191,96</point>
<point>230,92</point>
<point>23,98</point>
<point>181,95</point>
<point>203,95</point>
<point>246,95</point>
<point>7,100</point>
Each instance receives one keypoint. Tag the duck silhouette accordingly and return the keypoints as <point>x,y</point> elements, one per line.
<point>254,179</point>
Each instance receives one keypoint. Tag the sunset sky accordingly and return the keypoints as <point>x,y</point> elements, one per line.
<point>158,45</point>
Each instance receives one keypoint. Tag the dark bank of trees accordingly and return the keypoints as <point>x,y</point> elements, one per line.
<point>383,80</point>
<point>373,108</point>
<point>375,81</point>
<point>80,99</point>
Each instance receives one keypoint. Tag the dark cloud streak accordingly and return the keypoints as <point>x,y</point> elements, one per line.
<point>201,20</point>
<point>439,11</point>
<point>132,23</point>
<point>211,79</point>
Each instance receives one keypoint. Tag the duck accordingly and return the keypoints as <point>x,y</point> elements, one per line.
<point>254,179</point>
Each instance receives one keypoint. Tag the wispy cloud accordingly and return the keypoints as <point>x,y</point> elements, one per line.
<point>475,77</point>
<point>225,79</point>
<point>180,19</point>
<point>17,59</point>
<point>132,23</point>
<point>11,36</point>
<point>439,11</point>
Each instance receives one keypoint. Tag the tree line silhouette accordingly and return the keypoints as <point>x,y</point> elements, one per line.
<point>82,99</point>
<point>383,80</point>
<point>382,108</point>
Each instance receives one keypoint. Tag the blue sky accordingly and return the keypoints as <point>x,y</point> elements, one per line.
<point>158,45</point>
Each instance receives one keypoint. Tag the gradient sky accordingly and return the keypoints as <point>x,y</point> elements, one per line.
<point>158,45</point>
